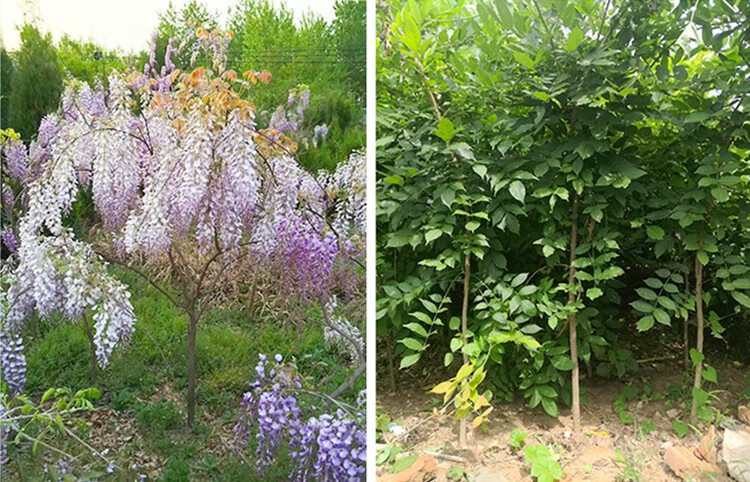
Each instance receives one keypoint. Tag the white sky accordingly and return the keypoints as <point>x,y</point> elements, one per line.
<point>117,24</point>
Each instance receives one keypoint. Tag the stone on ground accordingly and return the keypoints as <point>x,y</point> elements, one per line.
<point>735,452</point>
<point>687,466</point>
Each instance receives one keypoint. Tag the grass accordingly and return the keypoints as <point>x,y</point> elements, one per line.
<point>134,384</point>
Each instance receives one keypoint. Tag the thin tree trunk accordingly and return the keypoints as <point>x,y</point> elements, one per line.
<point>699,331</point>
<point>92,347</point>
<point>250,309</point>
<point>391,366</point>
<point>192,332</point>
<point>464,329</point>
<point>572,322</point>
<point>685,334</point>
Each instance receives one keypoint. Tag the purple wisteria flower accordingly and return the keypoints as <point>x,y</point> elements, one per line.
<point>325,448</point>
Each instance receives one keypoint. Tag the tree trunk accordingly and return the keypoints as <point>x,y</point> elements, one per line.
<point>464,329</point>
<point>391,366</point>
<point>192,331</point>
<point>572,322</point>
<point>92,347</point>
<point>685,329</point>
<point>699,331</point>
<point>250,307</point>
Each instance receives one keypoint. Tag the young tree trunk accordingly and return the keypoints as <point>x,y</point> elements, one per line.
<point>576,402</point>
<point>699,331</point>
<point>685,329</point>
<point>92,347</point>
<point>391,365</point>
<point>192,331</point>
<point>464,329</point>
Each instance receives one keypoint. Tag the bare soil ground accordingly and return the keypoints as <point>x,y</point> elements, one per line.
<point>605,448</point>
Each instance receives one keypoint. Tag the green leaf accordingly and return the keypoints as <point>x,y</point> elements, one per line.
<point>433,234</point>
<point>445,129</point>
<point>480,169</point>
<point>645,323</point>
<point>423,317</point>
<point>654,283</point>
<point>575,37</point>
<point>697,117</point>
<point>412,37</point>
<point>523,59</point>
<point>448,359</point>
<point>696,356</point>
<point>680,428</point>
<point>412,344</point>
<point>594,293</point>
<point>655,232</point>
<point>709,374</point>
<point>448,196</point>
<point>456,344</point>
<point>394,180</point>
<point>562,363</point>
<point>517,436</point>
<point>403,463</point>
<point>646,294</point>
<point>518,190</point>
<point>542,96</point>
<point>472,226</point>
<point>661,316</point>
<point>720,194</point>
<point>642,306</point>
<point>741,298</point>
<point>416,328</point>
<point>410,360</point>
<point>703,257</point>
<point>454,323</point>
<point>550,407</point>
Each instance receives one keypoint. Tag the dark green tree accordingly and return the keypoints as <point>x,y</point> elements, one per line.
<point>349,32</point>
<point>6,72</point>
<point>36,83</point>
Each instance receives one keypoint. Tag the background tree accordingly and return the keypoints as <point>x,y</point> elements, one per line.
<point>6,72</point>
<point>36,83</point>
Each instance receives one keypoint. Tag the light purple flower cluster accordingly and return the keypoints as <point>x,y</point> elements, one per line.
<point>16,159</point>
<point>4,431</point>
<point>289,120</point>
<point>320,133</point>
<point>9,239</point>
<point>340,332</point>
<point>271,409</point>
<point>61,274</point>
<point>12,361</point>
<point>306,254</point>
<point>326,448</point>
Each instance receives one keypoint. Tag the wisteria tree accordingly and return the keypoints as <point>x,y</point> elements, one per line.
<point>185,185</point>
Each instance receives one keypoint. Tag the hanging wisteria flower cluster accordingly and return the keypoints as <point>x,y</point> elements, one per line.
<point>169,156</point>
<point>62,274</point>
<point>340,332</point>
<point>323,448</point>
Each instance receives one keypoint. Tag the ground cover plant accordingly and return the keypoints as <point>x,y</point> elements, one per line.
<point>555,178</point>
<point>158,239</point>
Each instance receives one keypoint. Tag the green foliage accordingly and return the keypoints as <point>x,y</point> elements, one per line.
<point>87,61</point>
<point>501,134</point>
<point>6,72</point>
<point>36,81</point>
<point>543,461</point>
<point>517,437</point>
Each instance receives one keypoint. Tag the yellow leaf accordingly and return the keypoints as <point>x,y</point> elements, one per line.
<point>442,387</point>
<point>480,402</point>
<point>464,371</point>
<point>477,422</point>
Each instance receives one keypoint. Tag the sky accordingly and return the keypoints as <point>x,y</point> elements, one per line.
<point>117,24</point>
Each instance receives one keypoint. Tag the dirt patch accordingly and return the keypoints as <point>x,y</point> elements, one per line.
<point>604,449</point>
